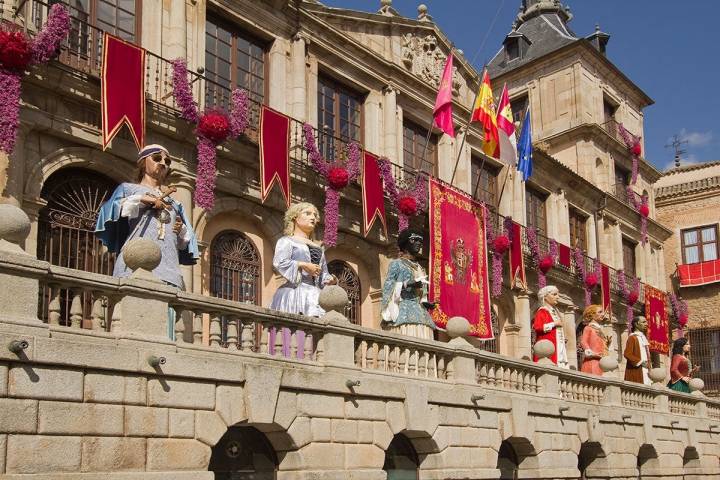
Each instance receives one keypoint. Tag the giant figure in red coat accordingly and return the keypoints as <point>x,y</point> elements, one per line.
<point>548,325</point>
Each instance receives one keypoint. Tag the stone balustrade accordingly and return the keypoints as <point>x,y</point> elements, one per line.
<point>95,395</point>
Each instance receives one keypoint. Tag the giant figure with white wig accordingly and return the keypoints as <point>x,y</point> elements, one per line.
<point>548,325</point>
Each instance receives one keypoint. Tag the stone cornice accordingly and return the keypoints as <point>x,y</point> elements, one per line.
<point>685,192</point>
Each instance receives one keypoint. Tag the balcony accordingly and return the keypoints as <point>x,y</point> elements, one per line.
<point>265,370</point>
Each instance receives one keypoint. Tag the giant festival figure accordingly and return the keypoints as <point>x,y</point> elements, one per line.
<point>548,325</point>
<point>594,341</point>
<point>637,353</point>
<point>404,295</point>
<point>681,370</point>
<point>301,262</point>
<point>144,209</point>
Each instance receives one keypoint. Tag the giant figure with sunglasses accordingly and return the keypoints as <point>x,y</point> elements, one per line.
<point>145,210</point>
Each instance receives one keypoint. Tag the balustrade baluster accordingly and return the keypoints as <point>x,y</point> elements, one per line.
<point>441,367</point>
<point>370,356</point>
<point>382,358</point>
<point>279,341</point>
<point>533,383</point>
<point>293,343</point>
<point>215,329</point>
<point>97,314</point>
<point>449,369</point>
<point>413,363</point>
<point>320,347</point>
<point>54,305</point>
<point>432,366</point>
<point>359,355</point>
<point>421,366</point>
<point>403,360</point>
<point>197,329</point>
<point>232,332</point>
<point>491,375</point>
<point>514,379</point>
<point>76,309</point>
<point>179,323</point>
<point>481,373</point>
<point>308,346</point>
<point>392,358</point>
<point>247,333</point>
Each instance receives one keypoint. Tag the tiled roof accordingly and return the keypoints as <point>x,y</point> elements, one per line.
<point>687,187</point>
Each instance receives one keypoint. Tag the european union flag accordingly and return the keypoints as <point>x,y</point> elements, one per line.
<point>525,148</point>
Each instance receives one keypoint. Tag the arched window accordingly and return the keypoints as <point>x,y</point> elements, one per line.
<point>243,453</point>
<point>350,282</point>
<point>235,268</point>
<point>401,459</point>
<point>508,462</point>
<point>66,237</point>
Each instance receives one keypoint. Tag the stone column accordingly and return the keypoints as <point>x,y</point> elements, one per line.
<point>508,194</point>
<point>568,314</point>
<point>523,318</point>
<point>277,61</point>
<point>373,121</point>
<point>183,195</point>
<point>298,106</point>
<point>463,178</point>
<point>174,43</point>
<point>32,208</point>
<point>562,218</point>
<point>12,169</point>
<point>152,26</point>
<point>592,228</point>
<point>446,158</point>
<point>518,202</point>
<point>311,93</point>
<point>509,340</point>
<point>390,135</point>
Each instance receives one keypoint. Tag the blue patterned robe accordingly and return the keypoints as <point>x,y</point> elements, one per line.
<point>401,304</point>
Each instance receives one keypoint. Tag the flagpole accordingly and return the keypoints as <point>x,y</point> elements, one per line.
<point>467,128</point>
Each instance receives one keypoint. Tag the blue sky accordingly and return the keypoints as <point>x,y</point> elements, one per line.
<point>667,48</point>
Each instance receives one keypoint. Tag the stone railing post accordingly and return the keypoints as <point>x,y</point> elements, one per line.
<point>463,362</point>
<point>543,349</point>
<point>19,271</point>
<point>144,305</point>
<point>339,347</point>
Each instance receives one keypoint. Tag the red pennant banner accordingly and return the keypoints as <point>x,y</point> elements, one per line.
<point>373,198</point>
<point>605,287</point>
<point>564,255</point>
<point>517,261</point>
<point>274,152</point>
<point>658,325</point>
<point>123,90</point>
<point>458,260</point>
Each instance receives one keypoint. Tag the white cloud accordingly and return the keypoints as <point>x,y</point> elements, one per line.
<point>696,139</point>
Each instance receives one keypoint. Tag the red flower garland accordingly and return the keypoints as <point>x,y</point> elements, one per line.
<point>633,145</point>
<point>214,125</point>
<point>589,280</point>
<point>15,51</point>
<point>338,178</point>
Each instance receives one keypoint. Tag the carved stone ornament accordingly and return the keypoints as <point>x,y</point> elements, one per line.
<point>423,57</point>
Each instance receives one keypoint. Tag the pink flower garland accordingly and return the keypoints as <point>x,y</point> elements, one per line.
<point>681,313</point>
<point>499,243</point>
<point>589,279</point>
<point>204,195</point>
<point>630,296</point>
<point>643,209</point>
<point>633,145</point>
<point>349,172</point>
<point>543,264</point>
<point>44,47</point>
<point>413,196</point>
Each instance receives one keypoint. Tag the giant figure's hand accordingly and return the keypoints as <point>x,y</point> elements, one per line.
<point>178,225</point>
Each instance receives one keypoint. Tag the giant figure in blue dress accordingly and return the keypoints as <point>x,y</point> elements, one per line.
<point>404,295</point>
<point>145,210</point>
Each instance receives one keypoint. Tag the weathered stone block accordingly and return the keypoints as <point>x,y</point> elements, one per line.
<point>181,394</point>
<point>113,454</point>
<point>3,452</point>
<point>51,454</point>
<point>344,431</point>
<point>299,432</point>
<point>261,390</point>
<point>113,388</point>
<point>181,423</point>
<point>382,435</point>
<point>176,454</point>
<point>454,416</point>
<point>365,432</point>
<point>209,427</point>
<point>312,405</point>
<point>323,456</point>
<point>286,408</point>
<point>146,422</point>
<point>45,383</point>
<point>18,416</point>
<point>230,403</point>
<point>396,416</point>
<point>364,456</point>
<point>3,380</point>
<point>320,429</point>
<point>69,418</point>
<point>364,408</point>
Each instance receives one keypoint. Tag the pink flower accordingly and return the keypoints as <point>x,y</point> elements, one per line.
<point>632,297</point>
<point>501,244</point>
<point>407,206</point>
<point>591,280</point>
<point>644,210</point>
<point>215,126</point>
<point>46,44</point>
<point>636,149</point>
<point>15,53</point>
<point>338,178</point>
<point>546,263</point>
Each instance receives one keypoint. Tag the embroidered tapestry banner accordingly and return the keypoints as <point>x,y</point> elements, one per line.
<point>658,326</point>
<point>122,90</point>
<point>458,260</point>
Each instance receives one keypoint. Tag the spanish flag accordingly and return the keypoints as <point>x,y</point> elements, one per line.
<point>484,112</point>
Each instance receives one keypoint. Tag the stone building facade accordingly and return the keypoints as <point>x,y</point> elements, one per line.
<point>687,200</point>
<point>354,76</point>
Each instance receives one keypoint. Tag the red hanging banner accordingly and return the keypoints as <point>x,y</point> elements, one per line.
<point>517,262</point>
<point>122,83</point>
<point>373,198</point>
<point>564,255</point>
<point>274,152</point>
<point>458,260</point>
<point>658,326</point>
<point>605,287</point>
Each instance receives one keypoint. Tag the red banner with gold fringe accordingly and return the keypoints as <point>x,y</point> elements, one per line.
<point>122,83</point>
<point>605,287</point>
<point>658,325</point>
<point>373,197</point>
<point>458,260</point>
<point>274,152</point>
<point>516,258</point>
